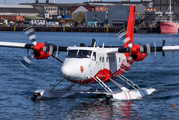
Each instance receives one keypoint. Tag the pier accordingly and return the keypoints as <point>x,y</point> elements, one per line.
<point>77,29</point>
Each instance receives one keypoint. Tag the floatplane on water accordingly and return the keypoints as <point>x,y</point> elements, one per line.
<point>93,64</point>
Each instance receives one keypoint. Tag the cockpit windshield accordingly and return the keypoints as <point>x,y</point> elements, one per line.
<point>79,54</point>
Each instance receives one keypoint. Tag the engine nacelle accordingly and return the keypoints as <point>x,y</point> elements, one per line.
<point>39,52</point>
<point>136,54</point>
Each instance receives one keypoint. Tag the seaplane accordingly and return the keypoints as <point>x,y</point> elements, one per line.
<point>88,65</point>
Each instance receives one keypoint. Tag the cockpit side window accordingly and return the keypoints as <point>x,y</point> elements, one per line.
<point>94,56</point>
<point>84,54</point>
<point>72,53</point>
<point>79,54</point>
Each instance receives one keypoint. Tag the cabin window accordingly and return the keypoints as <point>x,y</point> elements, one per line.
<point>79,54</point>
<point>113,59</point>
<point>119,59</point>
<point>107,59</point>
<point>102,59</point>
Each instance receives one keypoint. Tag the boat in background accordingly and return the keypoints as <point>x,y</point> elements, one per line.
<point>169,27</point>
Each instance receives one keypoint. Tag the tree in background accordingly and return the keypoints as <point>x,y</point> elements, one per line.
<point>79,16</point>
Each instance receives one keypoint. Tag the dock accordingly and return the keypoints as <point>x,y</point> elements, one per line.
<point>74,29</point>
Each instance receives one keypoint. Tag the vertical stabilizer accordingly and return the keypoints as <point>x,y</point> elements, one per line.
<point>130,27</point>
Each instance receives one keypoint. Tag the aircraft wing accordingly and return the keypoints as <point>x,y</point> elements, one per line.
<point>30,46</point>
<point>170,48</point>
<point>16,45</point>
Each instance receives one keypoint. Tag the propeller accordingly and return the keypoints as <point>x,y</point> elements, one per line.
<point>29,31</point>
<point>31,35</point>
<point>136,52</point>
<point>40,50</point>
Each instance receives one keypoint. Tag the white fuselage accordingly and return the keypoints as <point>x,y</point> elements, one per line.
<point>83,63</point>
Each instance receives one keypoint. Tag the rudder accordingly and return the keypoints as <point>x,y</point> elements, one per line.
<point>130,27</point>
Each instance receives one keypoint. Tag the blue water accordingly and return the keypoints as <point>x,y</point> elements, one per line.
<point>18,84</point>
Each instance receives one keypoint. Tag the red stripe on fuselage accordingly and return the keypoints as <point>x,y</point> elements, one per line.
<point>129,95</point>
<point>103,75</point>
<point>125,95</point>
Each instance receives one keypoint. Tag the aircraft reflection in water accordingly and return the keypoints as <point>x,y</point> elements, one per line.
<point>95,110</point>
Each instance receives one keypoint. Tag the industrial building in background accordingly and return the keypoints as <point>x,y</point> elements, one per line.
<point>97,12</point>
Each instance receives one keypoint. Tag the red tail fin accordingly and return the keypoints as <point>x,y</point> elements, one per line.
<point>130,26</point>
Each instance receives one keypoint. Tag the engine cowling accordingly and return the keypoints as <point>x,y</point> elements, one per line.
<point>136,54</point>
<point>39,52</point>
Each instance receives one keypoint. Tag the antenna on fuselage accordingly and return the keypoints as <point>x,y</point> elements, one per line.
<point>103,45</point>
<point>93,43</point>
<point>97,43</point>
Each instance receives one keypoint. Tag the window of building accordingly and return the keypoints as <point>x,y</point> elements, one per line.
<point>68,13</point>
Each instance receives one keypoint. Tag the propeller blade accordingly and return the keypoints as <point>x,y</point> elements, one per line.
<point>26,61</point>
<point>163,44</point>
<point>51,48</point>
<point>31,35</point>
<point>57,52</point>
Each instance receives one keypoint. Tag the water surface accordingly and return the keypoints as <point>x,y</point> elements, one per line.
<point>18,84</point>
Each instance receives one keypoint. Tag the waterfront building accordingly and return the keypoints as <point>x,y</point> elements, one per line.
<point>34,20</point>
<point>118,14</point>
<point>18,10</point>
<point>82,8</point>
<point>95,19</point>
<point>162,5</point>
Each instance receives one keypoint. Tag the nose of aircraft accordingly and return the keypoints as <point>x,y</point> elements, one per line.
<point>68,71</point>
<point>73,70</point>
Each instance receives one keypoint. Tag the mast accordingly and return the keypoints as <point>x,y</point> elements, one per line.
<point>170,13</point>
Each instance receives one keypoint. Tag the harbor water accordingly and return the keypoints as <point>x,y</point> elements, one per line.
<point>18,84</point>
